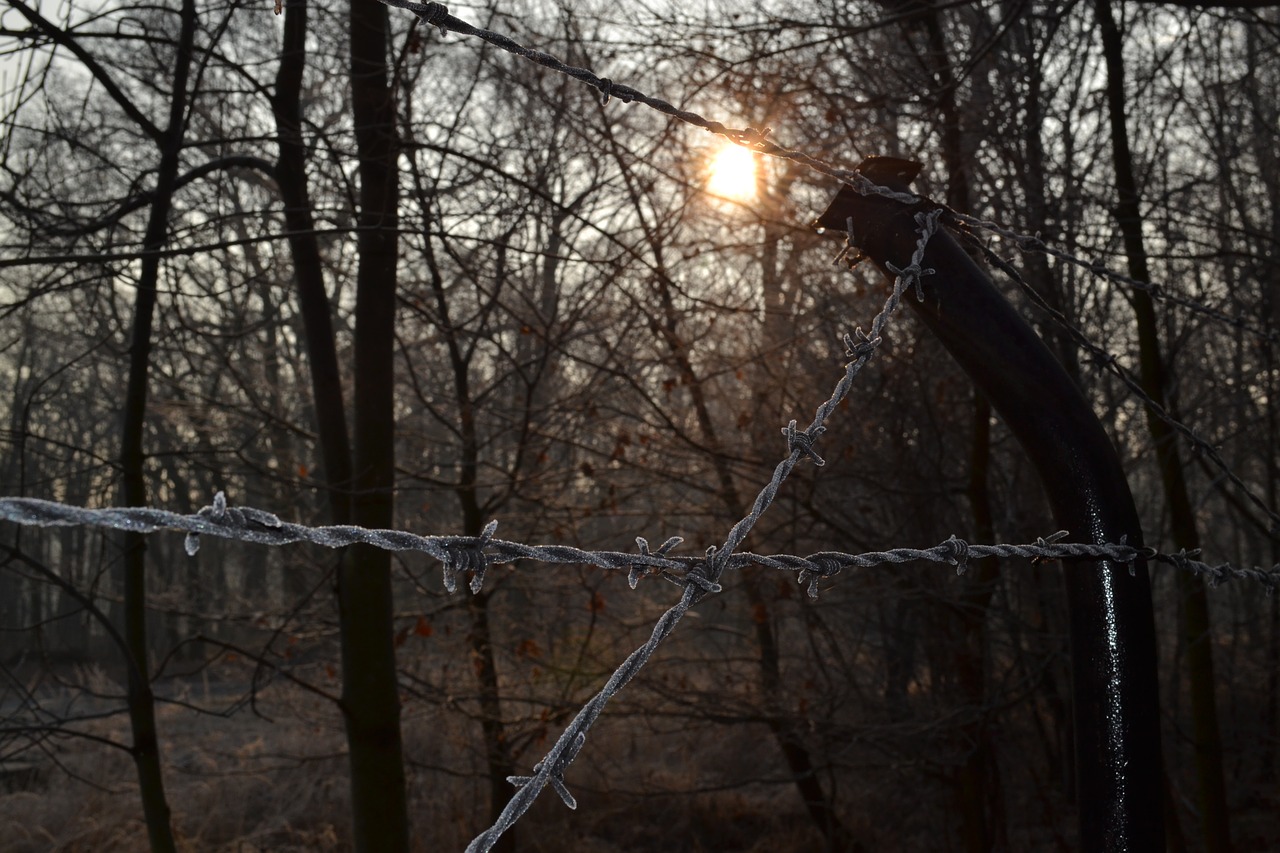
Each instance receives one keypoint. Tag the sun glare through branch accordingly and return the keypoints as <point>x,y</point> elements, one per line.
<point>733,173</point>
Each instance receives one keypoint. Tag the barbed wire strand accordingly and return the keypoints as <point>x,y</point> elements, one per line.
<point>699,576</point>
<point>1108,362</point>
<point>245,524</point>
<point>1034,243</point>
<point>703,579</point>
<point>437,15</point>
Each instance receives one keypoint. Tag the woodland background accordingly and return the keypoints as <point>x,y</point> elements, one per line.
<point>347,269</point>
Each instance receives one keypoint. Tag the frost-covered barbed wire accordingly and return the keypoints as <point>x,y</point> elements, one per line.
<point>1034,243</point>
<point>470,554</point>
<point>1107,361</point>
<point>699,576</point>
<point>757,139</point>
<point>437,15</point>
<point>473,554</point>
<point>703,578</point>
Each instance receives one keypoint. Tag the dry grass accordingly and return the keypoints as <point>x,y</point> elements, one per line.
<point>245,784</point>
<point>238,784</point>
<point>656,776</point>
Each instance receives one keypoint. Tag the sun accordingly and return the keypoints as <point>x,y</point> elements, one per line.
<point>733,173</point>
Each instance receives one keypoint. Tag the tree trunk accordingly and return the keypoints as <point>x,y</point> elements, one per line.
<point>977,781</point>
<point>1262,120</point>
<point>978,778</point>
<point>313,301</point>
<point>480,637</point>
<point>778,711</point>
<point>141,701</point>
<point>1195,606</point>
<point>370,696</point>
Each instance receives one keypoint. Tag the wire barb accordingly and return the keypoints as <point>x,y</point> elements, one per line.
<point>850,250</point>
<point>556,776</point>
<point>912,273</point>
<point>959,554</point>
<point>431,14</point>
<point>817,568</point>
<point>801,441</point>
<point>468,555</point>
<point>858,345</point>
<point>639,570</point>
<point>700,575</point>
<point>235,519</point>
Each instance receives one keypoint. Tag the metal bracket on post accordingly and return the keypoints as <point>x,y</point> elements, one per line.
<point>1113,655</point>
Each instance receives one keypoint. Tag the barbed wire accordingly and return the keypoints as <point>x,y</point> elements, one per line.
<point>703,578</point>
<point>1107,361</point>
<point>437,15</point>
<point>756,139</point>
<point>471,554</point>
<point>1034,243</point>
<point>698,576</point>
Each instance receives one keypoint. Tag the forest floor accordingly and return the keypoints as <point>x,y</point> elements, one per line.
<point>272,776</point>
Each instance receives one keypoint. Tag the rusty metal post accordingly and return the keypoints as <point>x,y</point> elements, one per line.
<point>1113,655</point>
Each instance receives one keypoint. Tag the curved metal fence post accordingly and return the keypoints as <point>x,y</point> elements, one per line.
<point>1114,684</point>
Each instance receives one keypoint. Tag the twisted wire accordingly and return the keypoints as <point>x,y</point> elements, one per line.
<point>1033,243</point>
<point>437,14</point>
<point>246,524</point>
<point>756,139</point>
<point>699,576</point>
<point>1108,362</point>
